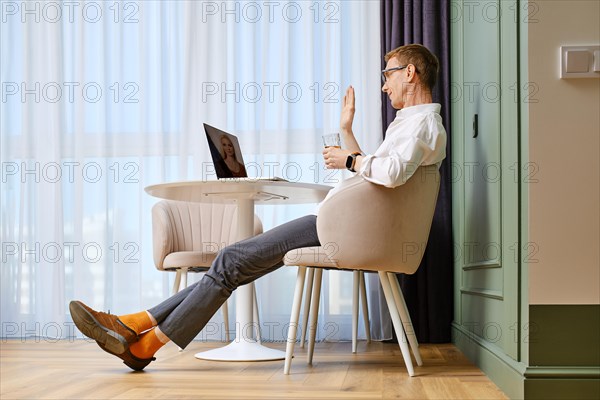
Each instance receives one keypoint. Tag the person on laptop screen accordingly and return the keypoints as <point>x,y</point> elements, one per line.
<point>224,150</point>
<point>235,168</point>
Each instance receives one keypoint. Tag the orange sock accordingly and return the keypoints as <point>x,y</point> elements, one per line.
<point>139,322</point>
<point>148,344</point>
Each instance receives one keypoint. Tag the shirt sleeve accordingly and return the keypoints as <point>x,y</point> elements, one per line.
<point>425,147</point>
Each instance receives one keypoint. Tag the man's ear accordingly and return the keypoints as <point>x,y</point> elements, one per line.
<point>411,73</point>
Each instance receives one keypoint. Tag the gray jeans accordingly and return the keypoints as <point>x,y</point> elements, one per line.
<point>182,316</point>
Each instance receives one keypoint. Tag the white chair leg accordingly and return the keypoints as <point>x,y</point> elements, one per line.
<point>307,297</point>
<point>184,273</point>
<point>181,272</point>
<point>177,281</point>
<point>255,317</point>
<point>314,313</point>
<point>355,286</point>
<point>365,307</point>
<point>225,311</point>
<point>405,317</point>
<point>295,316</point>
<point>389,297</point>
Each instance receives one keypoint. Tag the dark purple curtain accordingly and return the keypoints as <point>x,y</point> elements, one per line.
<point>429,292</point>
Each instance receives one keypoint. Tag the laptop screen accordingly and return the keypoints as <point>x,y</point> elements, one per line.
<point>226,153</point>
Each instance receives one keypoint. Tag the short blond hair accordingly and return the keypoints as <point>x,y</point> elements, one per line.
<point>425,62</point>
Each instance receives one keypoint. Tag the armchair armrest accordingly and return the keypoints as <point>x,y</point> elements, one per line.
<point>162,234</point>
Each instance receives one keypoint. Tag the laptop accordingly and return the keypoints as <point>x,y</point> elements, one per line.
<point>227,156</point>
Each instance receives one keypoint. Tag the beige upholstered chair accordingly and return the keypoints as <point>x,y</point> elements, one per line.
<point>371,228</point>
<point>187,237</point>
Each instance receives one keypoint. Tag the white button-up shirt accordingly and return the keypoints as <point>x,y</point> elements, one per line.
<point>416,137</point>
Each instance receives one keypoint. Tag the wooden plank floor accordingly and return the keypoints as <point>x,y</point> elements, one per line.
<point>80,370</point>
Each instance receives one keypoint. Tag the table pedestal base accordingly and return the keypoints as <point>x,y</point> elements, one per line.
<point>242,351</point>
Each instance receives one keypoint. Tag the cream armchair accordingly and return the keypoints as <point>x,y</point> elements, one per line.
<point>368,227</point>
<point>187,237</point>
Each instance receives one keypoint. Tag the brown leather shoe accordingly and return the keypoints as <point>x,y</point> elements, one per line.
<point>106,329</point>
<point>136,364</point>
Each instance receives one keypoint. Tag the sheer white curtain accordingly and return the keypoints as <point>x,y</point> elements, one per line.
<point>100,99</point>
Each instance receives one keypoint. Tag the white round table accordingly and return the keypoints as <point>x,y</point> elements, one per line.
<point>245,192</point>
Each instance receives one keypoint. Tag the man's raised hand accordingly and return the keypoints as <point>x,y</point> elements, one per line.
<point>348,109</point>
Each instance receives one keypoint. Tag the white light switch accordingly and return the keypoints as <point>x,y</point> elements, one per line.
<point>580,62</point>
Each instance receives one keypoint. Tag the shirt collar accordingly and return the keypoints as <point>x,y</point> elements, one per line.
<point>418,109</point>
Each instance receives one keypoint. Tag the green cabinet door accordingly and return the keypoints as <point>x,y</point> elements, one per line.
<point>485,172</point>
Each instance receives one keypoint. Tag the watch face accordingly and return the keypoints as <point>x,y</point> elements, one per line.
<point>349,161</point>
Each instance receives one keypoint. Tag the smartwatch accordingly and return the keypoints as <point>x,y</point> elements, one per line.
<point>351,160</point>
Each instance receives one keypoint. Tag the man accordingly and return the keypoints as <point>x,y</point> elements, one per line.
<point>416,137</point>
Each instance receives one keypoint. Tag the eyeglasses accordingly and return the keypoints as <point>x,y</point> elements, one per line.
<point>383,73</point>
